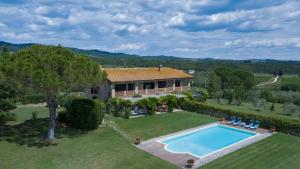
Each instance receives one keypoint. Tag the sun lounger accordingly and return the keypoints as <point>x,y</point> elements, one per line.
<point>238,121</point>
<point>255,126</point>
<point>251,122</point>
<point>232,120</point>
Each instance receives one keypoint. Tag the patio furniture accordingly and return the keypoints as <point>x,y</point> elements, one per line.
<point>255,126</point>
<point>232,120</point>
<point>251,122</point>
<point>238,121</point>
<point>243,124</point>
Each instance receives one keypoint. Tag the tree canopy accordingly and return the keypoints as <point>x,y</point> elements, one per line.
<point>233,84</point>
<point>51,70</point>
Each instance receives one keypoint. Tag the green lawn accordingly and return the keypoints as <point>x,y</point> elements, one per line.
<point>280,151</point>
<point>21,146</point>
<point>24,112</point>
<point>154,126</point>
<point>248,107</point>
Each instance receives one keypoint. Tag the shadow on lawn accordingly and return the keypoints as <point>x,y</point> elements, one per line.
<point>33,133</point>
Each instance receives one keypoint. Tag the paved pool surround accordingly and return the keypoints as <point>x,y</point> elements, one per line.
<point>156,147</point>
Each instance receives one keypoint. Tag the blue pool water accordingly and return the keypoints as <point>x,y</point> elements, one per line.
<point>208,140</point>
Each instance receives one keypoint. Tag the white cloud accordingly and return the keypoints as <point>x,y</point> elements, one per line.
<point>13,36</point>
<point>176,20</point>
<point>41,10</point>
<point>2,25</point>
<point>130,46</point>
<point>185,50</point>
<point>189,28</point>
<point>278,42</point>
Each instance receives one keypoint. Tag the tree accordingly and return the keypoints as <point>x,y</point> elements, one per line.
<point>260,104</point>
<point>290,108</point>
<point>272,108</point>
<point>4,51</point>
<point>214,85</point>
<point>235,85</point>
<point>280,73</point>
<point>204,94</point>
<point>225,76</point>
<point>7,95</point>
<point>51,70</point>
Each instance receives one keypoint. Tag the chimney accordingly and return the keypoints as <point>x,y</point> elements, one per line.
<point>160,67</point>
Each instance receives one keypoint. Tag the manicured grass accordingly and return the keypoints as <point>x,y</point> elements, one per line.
<point>280,151</point>
<point>21,145</point>
<point>102,148</point>
<point>249,108</point>
<point>24,112</point>
<point>158,125</point>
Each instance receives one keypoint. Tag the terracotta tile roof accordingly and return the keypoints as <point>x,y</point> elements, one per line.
<point>143,74</point>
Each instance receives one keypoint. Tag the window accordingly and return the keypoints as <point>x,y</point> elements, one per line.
<point>148,85</point>
<point>177,83</point>
<point>94,90</point>
<point>162,84</point>
<point>131,86</point>
<point>120,87</point>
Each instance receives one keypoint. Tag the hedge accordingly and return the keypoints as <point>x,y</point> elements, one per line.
<point>289,126</point>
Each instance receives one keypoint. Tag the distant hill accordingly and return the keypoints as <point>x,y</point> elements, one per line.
<point>108,59</point>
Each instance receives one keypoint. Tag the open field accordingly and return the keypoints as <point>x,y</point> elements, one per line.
<point>284,81</point>
<point>263,78</point>
<point>104,148</point>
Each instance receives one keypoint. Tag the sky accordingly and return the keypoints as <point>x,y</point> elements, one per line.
<point>220,29</point>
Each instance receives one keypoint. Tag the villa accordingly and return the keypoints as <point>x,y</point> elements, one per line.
<point>128,82</point>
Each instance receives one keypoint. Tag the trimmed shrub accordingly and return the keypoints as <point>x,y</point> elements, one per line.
<point>204,94</point>
<point>62,117</point>
<point>289,126</point>
<point>102,108</point>
<point>66,101</point>
<point>148,104</point>
<point>84,114</point>
<point>171,102</point>
<point>127,114</point>
<point>118,106</point>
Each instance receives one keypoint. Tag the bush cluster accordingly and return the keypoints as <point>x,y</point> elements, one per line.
<point>119,107</point>
<point>170,101</point>
<point>289,126</point>
<point>148,104</point>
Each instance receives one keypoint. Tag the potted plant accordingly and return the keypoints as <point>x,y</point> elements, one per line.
<point>273,129</point>
<point>190,163</point>
<point>137,141</point>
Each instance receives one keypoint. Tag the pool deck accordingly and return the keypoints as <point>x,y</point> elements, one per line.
<point>156,148</point>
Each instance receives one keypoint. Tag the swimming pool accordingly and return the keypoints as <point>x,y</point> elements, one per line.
<point>205,141</point>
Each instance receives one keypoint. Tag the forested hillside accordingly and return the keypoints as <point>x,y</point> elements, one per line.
<point>108,59</point>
